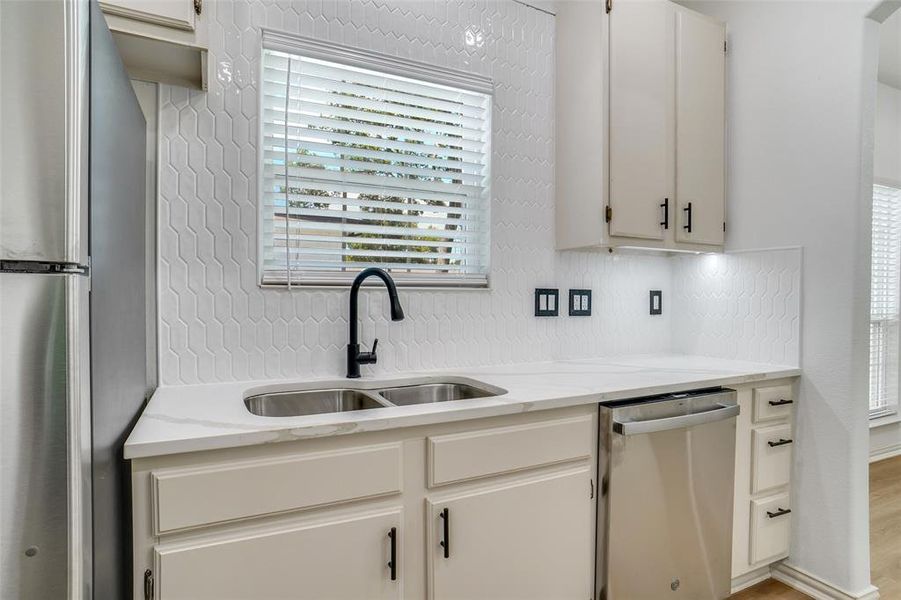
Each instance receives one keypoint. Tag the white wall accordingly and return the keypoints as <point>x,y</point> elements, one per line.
<point>887,165</point>
<point>798,93</point>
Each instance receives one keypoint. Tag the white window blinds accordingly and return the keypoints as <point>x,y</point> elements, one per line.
<point>364,168</point>
<point>885,299</point>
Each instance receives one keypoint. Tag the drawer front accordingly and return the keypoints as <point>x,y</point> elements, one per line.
<point>771,456</point>
<point>459,457</point>
<point>773,403</point>
<point>770,528</point>
<point>190,497</point>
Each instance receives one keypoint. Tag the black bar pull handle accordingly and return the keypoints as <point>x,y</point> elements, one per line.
<point>445,542</point>
<point>781,442</point>
<point>392,564</point>
<point>687,226</point>
<point>665,207</point>
<point>779,512</point>
<point>781,402</point>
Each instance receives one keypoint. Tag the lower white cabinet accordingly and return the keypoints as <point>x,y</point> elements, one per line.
<point>764,446</point>
<point>344,558</point>
<point>526,539</point>
<point>359,517</point>
<point>770,527</point>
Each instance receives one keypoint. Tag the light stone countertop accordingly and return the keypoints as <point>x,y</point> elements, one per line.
<point>190,418</point>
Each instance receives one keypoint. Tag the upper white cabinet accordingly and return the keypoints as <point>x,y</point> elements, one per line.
<point>641,119</point>
<point>640,153</point>
<point>160,40</point>
<point>700,128</point>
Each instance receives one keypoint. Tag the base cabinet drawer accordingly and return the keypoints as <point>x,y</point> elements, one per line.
<point>770,527</point>
<point>190,497</point>
<point>771,449</point>
<point>344,558</point>
<point>773,403</point>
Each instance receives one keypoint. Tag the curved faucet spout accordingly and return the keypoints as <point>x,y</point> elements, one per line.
<point>354,357</point>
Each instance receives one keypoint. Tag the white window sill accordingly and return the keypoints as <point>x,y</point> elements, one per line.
<point>888,419</point>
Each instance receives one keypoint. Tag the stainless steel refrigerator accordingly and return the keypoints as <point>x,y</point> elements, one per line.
<point>73,365</point>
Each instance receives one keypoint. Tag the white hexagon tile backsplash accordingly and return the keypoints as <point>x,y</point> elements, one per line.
<point>744,305</point>
<point>217,324</point>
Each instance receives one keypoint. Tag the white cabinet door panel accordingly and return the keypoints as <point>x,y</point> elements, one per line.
<point>700,130</point>
<point>341,559</point>
<point>532,539</point>
<point>641,116</point>
<point>178,14</point>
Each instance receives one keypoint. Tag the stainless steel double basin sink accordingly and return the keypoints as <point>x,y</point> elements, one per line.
<point>335,399</point>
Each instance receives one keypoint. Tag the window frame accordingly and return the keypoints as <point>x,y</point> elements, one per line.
<point>376,61</point>
<point>891,329</point>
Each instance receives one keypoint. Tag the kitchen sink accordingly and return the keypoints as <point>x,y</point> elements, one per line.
<point>428,393</point>
<point>296,403</point>
<point>311,402</point>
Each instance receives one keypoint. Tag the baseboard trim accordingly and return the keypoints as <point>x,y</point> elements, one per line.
<point>885,453</point>
<point>817,588</point>
<point>750,578</point>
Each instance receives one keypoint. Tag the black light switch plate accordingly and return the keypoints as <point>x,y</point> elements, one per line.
<point>656,302</point>
<point>579,303</point>
<point>547,302</point>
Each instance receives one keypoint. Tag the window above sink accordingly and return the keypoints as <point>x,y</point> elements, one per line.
<point>367,160</point>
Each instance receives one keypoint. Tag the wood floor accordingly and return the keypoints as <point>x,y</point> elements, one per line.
<point>885,533</point>
<point>885,527</point>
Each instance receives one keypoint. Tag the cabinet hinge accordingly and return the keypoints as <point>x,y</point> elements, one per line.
<point>604,486</point>
<point>608,213</point>
<point>724,227</point>
<point>725,46</point>
<point>148,585</point>
<point>591,492</point>
<point>198,6</point>
<point>609,6</point>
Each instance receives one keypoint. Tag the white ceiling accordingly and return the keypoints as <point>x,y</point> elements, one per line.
<point>890,51</point>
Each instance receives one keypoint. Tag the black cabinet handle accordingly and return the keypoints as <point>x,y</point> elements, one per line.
<point>445,543</point>
<point>779,512</point>
<point>392,564</point>
<point>665,207</point>
<point>781,442</point>
<point>781,402</point>
<point>687,226</point>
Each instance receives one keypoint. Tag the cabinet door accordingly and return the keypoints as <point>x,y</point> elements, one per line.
<point>177,14</point>
<point>700,133</point>
<point>641,117</point>
<point>530,539</point>
<point>341,559</point>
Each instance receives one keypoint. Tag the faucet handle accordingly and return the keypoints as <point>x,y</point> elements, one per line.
<point>368,358</point>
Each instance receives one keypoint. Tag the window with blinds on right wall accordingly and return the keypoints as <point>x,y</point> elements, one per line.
<point>885,301</point>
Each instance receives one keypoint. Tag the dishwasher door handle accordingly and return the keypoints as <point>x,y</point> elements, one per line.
<point>725,411</point>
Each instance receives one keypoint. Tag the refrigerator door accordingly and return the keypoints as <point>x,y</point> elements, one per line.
<point>37,390</point>
<point>43,117</point>
<point>118,302</point>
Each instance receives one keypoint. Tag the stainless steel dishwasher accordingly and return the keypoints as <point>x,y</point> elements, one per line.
<point>667,470</point>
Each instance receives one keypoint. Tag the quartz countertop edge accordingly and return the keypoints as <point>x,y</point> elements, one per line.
<point>192,418</point>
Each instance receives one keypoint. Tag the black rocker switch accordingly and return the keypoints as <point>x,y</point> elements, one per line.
<point>547,302</point>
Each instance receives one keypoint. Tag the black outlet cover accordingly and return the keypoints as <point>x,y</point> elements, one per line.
<point>547,302</point>
<point>579,303</point>
<point>656,302</point>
